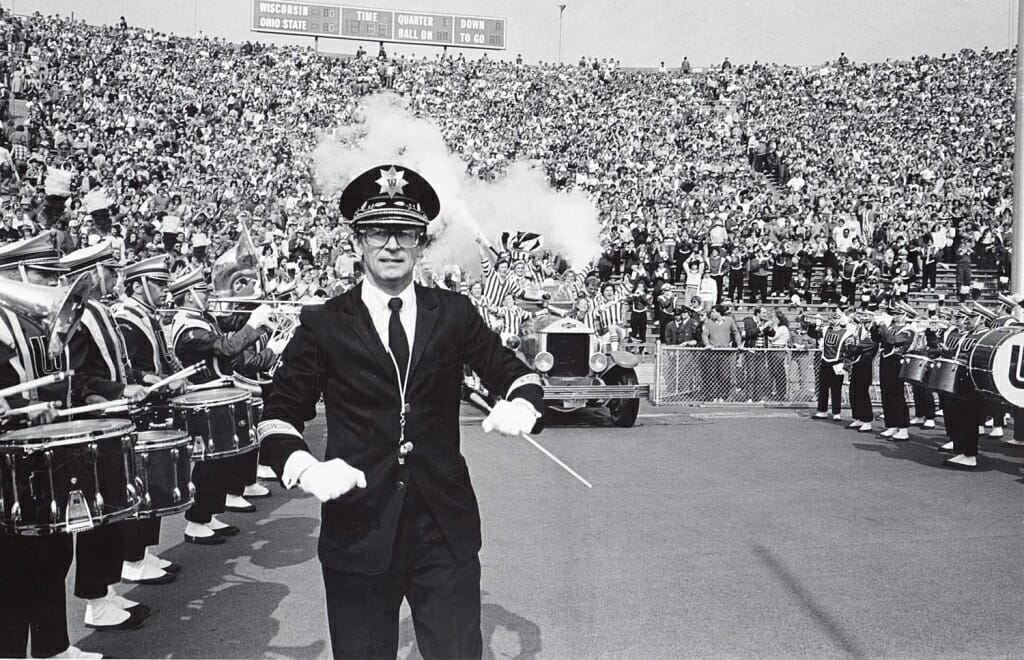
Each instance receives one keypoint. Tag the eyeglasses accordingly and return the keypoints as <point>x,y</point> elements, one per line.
<point>379,237</point>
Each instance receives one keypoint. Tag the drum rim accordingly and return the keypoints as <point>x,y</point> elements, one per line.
<point>235,396</point>
<point>127,427</point>
<point>171,437</point>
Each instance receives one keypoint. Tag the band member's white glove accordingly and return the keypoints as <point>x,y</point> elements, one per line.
<point>511,417</point>
<point>331,479</point>
<point>278,345</point>
<point>134,393</point>
<point>260,317</point>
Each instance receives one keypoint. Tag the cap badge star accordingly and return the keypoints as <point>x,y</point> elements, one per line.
<point>392,182</point>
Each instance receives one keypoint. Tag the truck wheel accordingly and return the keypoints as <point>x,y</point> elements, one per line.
<point>624,411</point>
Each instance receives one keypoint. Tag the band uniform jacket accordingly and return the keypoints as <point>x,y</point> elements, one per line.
<point>144,340</point>
<point>336,352</point>
<point>196,337</point>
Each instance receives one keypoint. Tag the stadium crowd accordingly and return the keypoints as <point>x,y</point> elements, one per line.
<point>742,182</point>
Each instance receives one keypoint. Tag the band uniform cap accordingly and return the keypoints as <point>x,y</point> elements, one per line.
<point>87,257</point>
<point>153,267</point>
<point>195,279</point>
<point>34,249</point>
<point>389,195</point>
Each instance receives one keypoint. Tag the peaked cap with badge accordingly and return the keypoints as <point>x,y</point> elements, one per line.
<point>389,196</point>
<point>153,268</point>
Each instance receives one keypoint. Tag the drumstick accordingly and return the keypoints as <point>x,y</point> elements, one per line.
<point>93,407</point>
<point>33,408</point>
<point>212,385</point>
<point>36,382</point>
<point>175,377</point>
<point>479,400</point>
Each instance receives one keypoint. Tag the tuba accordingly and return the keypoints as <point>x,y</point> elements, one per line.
<point>58,309</point>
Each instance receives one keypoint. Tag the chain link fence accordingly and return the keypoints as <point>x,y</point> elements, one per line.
<point>780,376</point>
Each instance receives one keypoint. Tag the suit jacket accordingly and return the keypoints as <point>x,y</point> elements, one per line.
<point>336,352</point>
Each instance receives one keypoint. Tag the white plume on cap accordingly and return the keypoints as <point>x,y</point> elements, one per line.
<point>58,182</point>
<point>97,199</point>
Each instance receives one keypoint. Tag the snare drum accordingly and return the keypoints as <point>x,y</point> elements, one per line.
<point>152,416</point>
<point>67,477</point>
<point>163,472</point>
<point>257,409</point>
<point>914,368</point>
<point>219,422</point>
<point>946,376</point>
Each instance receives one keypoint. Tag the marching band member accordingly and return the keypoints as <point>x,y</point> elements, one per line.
<point>836,340</point>
<point>150,360</point>
<point>925,338</point>
<point>945,346</point>
<point>399,515</point>
<point>892,336</point>
<point>33,569</point>
<point>196,337</point>
<point>862,353</point>
<point>964,416</point>
<point>97,354</point>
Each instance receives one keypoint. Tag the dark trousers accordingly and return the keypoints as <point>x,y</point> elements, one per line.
<point>638,326</point>
<point>736,285</point>
<point>99,553</point>
<point>32,572</point>
<point>1018,422</point>
<point>830,385</point>
<point>848,288</point>
<point>962,417</point>
<point>444,595</point>
<point>860,391</point>
<point>894,396</point>
<point>139,535</point>
<point>924,402</point>
<point>759,288</point>
<point>930,275</point>
<point>777,374</point>
<point>719,288</point>
<point>242,471</point>
<point>210,481</point>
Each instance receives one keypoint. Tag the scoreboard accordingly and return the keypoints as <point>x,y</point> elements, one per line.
<point>306,19</point>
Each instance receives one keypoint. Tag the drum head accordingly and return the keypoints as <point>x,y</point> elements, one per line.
<point>164,437</point>
<point>78,429</point>
<point>210,397</point>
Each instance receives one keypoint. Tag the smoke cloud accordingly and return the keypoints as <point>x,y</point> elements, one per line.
<point>520,200</point>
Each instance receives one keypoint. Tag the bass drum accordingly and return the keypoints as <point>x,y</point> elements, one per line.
<point>995,364</point>
<point>67,477</point>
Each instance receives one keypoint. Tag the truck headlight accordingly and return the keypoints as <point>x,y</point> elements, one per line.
<point>543,361</point>
<point>598,362</point>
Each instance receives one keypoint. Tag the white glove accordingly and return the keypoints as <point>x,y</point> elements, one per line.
<point>260,316</point>
<point>511,417</point>
<point>331,479</point>
<point>278,345</point>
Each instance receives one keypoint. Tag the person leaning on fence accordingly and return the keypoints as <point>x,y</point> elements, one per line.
<point>721,332</point>
<point>779,339</point>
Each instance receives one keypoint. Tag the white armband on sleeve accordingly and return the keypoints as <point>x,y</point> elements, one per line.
<point>276,427</point>
<point>528,379</point>
<point>296,464</point>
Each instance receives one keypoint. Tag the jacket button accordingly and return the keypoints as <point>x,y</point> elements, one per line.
<point>401,485</point>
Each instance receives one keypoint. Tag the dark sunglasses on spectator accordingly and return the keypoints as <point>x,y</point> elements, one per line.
<point>379,237</point>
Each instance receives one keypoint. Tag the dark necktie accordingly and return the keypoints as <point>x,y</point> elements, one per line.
<point>397,340</point>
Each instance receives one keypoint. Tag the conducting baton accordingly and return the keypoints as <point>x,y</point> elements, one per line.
<point>480,401</point>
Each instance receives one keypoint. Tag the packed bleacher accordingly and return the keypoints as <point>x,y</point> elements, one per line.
<point>748,183</point>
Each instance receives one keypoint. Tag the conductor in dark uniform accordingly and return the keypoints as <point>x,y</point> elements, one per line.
<point>400,518</point>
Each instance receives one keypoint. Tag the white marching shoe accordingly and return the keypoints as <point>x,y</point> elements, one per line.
<point>855,424</point>
<point>256,490</point>
<point>889,432</point>
<point>75,652</point>
<point>961,462</point>
<point>865,427</point>
<point>901,434</point>
<point>837,417</point>
<point>916,421</point>
<point>996,432</point>
<point>266,473</point>
<point>947,447</point>
<point>928,424</point>
<point>821,415</point>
